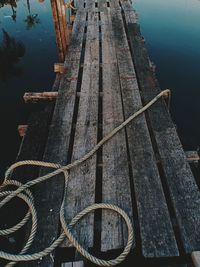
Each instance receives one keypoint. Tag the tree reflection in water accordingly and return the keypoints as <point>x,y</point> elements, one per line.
<point>32,19</point>
<point>11,51</point>
<point>13,4</point>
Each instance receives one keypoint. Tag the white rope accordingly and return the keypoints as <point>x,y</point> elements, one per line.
<point>27,197</point>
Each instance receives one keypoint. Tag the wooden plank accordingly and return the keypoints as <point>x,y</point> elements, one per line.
<point>192,156</point>
<point>81,185</point>
<point>183,190</point>
<point>196,258</point>
<point>156,230</point>
<point>32,147</point>
<point>32,97</point>
<point>102,5</point>
<point>115,174</point>
<point>90,5</point>
<point>47,199</point>
<point>78,264</point>
<point>73,264</point>
<point>72,18</point>
<point>131,17</point>
<point>59,67</point>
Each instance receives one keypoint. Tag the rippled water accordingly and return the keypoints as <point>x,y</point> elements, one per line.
<point>27,54</point>
<point>172,32</point>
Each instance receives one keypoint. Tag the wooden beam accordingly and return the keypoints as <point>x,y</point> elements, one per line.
<point>72,18</point>
<point>22,130</point>
<point>180,182</point>
<point>192,156</point>
<point>60,68</point>
<point>34,97</point>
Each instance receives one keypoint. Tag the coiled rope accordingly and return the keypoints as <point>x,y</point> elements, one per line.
<point>25,194</point>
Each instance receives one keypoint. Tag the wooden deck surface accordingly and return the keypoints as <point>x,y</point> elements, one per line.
<point>143,169</point>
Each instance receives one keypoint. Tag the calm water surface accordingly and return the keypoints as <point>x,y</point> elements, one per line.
<point>172,32</point>
<point>27,54</point>
<point>28,51</point>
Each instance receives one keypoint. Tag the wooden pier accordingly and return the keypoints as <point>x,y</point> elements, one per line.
<point>143,169</point>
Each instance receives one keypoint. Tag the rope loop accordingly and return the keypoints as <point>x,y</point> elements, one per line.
<point>25,194</point>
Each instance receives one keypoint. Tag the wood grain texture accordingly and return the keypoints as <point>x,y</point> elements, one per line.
<point>115,176</point>
<point>183,190</point>
<point>48,195</point>
<point>155,227</point>
<point>73,264</point>
<point>81,185</point>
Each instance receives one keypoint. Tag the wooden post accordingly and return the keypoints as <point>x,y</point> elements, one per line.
<point>59,67</point>
<point>61,27</point>
<point>22,130</point>
<point>192,156</point>
<point>72,18</point>
<point>40,97</point>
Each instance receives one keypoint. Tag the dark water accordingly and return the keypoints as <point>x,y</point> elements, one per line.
<point>27,54</point>
<point>172,32</point>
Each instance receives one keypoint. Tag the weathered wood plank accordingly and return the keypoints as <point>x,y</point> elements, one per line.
<point>90,5</point>
<point>157,234</point>
<point>196,258</point>
<point>115,174</point>
<point>183,190</point>
<point>32,147</point>
<point>59,67</point>
<point>60,24</point>
<point>47,199</point>
<point>67,264</point>
<point>78,264</point>
<point>102,5</point>
<point>73,264</point>
<point>192,156</point>
<point>131,16</point>
<point>81,185</point>
<point>33,97</point>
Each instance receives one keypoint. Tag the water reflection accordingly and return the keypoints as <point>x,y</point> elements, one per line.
<point>13,5</point>
<point>11,51</point>
<point>32,19</point>
<point>172,33</point>
<point>21,69</point>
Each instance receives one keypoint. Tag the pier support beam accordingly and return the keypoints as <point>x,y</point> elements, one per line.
<point>40,97</point>
<point>59,68</point>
